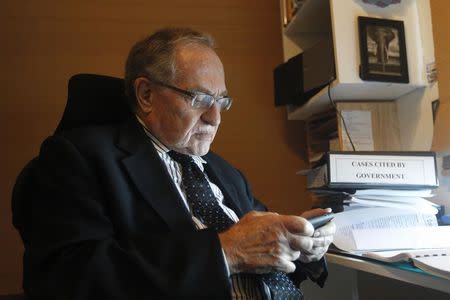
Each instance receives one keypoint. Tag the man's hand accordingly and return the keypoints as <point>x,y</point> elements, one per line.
<point>322,238</point>
<point>263,242</point>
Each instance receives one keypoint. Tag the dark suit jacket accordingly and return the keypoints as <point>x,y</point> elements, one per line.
<point>108,223</point>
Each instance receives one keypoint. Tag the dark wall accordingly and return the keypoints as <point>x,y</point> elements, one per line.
<point>45,42</point>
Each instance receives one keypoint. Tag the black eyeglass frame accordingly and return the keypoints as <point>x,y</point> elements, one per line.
<point>193,96</point>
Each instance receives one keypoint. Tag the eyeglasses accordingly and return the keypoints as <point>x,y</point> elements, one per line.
<point>200,99</point>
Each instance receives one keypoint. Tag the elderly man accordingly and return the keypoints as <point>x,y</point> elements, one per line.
<point>143,209</point>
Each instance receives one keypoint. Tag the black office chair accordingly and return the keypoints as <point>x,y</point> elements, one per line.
<point>92,100</point>
<point>13,297</point>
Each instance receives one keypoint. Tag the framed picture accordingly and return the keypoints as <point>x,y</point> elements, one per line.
<point>434,108</point>
<point>288,11</point>
<point>383,50</point>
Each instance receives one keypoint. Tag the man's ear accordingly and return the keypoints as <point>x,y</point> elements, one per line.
<point>143,92</point>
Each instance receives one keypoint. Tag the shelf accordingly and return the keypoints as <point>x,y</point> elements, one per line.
<point>349,92</point>
<point>309,24</point>
<point>318,19</point>
<point>346,38</point>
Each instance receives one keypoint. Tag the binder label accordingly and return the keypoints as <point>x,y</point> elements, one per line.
<point>382,169</point>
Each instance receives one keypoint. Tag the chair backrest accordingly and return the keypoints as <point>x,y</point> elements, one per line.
<point>23,190</point>
<point>12,297</point>
<point>94,99</point>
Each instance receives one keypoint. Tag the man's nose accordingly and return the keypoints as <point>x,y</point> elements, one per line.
<point>212,115</point>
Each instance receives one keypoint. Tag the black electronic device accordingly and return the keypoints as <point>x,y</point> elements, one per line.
<point>321,220</point>
<point>305,74</point>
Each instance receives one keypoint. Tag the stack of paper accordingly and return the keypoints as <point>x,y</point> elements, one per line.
<point>380,221</point>
<point>403,199</point>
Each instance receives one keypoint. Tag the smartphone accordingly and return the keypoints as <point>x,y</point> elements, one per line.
<point>321,220</point>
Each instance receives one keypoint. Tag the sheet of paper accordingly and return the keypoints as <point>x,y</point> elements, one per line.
<point>437,265</point>
<point>419,206</point>
<point>402,238</point>
<point>406,254</point>
<point>375,217</point>
<point>434,261</point>
<point>406,199</point>
<point>374,192</point>
<point>359,125</point>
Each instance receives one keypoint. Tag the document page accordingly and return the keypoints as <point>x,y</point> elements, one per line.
<point>425,193</point>
<point>433,261</point>
<point>407,203</point>
<point>401,238</point>
<point>359,125</point>
<point>437,265</point>
<point>358,218</point>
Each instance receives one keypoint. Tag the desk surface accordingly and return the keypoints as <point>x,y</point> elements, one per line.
<point>391,271</point>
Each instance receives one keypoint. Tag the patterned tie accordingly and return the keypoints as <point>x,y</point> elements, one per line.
<point>206,208</point>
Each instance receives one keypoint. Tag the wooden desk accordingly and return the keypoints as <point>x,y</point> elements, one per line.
<point>356,279</point>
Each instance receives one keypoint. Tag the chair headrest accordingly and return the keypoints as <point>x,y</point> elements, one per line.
<point>93,100</point>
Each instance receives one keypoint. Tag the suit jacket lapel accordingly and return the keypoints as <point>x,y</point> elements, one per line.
<point>150,176</point>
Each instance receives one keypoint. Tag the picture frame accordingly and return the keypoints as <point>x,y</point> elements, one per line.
<point>382,50</point>
<point>288,11</point>
<point>434,108</point>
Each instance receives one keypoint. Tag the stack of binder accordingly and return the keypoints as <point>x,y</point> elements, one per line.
<point>401,180</point>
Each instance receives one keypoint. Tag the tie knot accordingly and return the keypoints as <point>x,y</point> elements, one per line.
<point>182,159</point>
